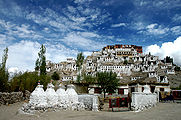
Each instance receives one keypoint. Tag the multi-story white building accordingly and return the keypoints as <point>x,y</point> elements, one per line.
<point>121,59</point>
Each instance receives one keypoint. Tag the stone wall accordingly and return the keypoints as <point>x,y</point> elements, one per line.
<point>91,102</point>
<point>142,101</point>
<point>13,97</point>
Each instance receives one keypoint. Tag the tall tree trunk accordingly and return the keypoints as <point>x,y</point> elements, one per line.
<point>104,93</point>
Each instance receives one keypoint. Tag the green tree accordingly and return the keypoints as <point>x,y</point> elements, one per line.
<point>4,75</point>
<point>55,76</point>
<point>37,65</point>
<point>169,59</point>
<point>79,63</point>
<point>177,68</point>
<point>80,60</point>
<point>89,79</point>
<point>28,81</point>
<point>107,81</point>
<point>125,62</point>
<point>78,78</point>
<point>40,64</point>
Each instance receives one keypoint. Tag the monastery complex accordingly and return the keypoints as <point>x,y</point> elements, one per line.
<point>132,66</point>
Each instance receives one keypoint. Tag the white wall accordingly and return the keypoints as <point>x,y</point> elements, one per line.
<point>142,101</point>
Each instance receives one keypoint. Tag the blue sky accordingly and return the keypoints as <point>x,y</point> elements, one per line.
<point>67,27</point>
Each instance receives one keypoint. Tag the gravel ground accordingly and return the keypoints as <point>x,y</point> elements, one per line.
<point>163,111</point>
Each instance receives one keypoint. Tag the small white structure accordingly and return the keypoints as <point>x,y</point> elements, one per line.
<point>62,95</point>
<point>146,89</point>
<point>143,100</point>
<point>152,74</point>
<point>162,79</point>
<point>52,97</point>
<point>38,97</point>
<point>72,95</point>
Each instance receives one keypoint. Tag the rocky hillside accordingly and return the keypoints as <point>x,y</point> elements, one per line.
<point>175,80</point>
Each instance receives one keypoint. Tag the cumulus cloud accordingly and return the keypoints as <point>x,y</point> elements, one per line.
<point>59,52</point>
<point>22,55</point>
<point>172,49</point>
<point>13,70</point>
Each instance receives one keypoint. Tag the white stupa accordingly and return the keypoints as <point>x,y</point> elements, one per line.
<point>52,97</point>
<point>146,89</point>
<point>38,97</point>
<point>62,95</point>
<point>72,94</point>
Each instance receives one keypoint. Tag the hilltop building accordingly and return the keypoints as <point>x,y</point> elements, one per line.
<point>131,65</point>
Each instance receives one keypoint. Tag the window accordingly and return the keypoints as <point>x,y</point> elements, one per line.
<point>153,89</point>
<point>161,89</point>
<point>142,89</point>
<point>97,90</point>
<point>121,91</point>
<point>132,89</point>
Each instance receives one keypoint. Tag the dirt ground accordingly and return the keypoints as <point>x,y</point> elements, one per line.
<point>163,111</point>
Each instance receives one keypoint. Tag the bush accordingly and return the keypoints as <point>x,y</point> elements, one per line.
<point>55,76</point>
<point>28,81</point>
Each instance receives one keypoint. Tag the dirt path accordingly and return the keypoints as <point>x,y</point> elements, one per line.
<point>163,111</point>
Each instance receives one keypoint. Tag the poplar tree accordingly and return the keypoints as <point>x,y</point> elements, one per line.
<point>80,60</point>
<point>40,64</point>
<point>79,63</point>
<point>3,72</point>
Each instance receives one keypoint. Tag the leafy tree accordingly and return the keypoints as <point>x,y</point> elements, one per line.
<point>169,59</point>
<point>78,78</point>
<point>40,64</point>
<point>80,60</point>
<point>44,80</point>
<point>79,63</point>
<point>89,79</point>
<point>4,75</point>
<point>107,81</point>
<point>177,68</point>
<point>125,62</point>
<point>28,81</point>
<point>55,76</point>
<point>37,65</point>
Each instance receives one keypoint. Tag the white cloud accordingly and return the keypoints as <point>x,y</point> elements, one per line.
<point>88,34</point>
<point>13,8</point>
<point>59,52</point>
<point>151,26</point>
<point>82,1</point>
<point>176,30</point>
<point>2,39</point>
<point>76,40</point>
<point>151,29</point>
<point>87,53</point>
<point>156,29</point>
<point>21,31</point>
<point>176,18</point>
<point>157,4</point>
<point>119,25</point>
<point>172,49</point>
<point>13,70</point>
<point>23,55</point>
<point>138,25</point>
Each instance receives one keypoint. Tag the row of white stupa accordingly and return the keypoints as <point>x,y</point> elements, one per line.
<point>50,98</point>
